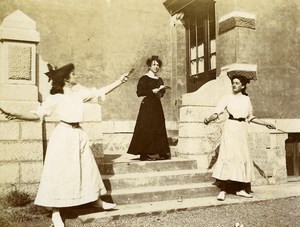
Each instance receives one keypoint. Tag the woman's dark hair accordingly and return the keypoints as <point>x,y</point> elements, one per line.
<point>58,77</point>
<point>153,58</point>
<point>244,81</point>
<point>57,86</point>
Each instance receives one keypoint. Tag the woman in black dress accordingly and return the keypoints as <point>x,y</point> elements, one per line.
<point>150,136</point>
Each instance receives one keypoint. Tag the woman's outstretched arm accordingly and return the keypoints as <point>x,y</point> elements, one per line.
<point>30,116</point>
<point>212,117</point>
<point>261,122</point>
<point>109,88</point>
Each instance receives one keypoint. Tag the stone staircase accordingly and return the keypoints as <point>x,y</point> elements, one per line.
<point>132,181</point>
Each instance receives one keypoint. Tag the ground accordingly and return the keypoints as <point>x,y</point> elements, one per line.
<point>271,213</point>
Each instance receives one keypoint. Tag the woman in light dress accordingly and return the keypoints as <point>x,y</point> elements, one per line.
<point>70,175</point>
<point>233,170</point>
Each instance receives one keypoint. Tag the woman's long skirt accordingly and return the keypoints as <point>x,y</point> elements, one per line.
<point>70,175</point>
<point>234,162</point>
<point>150,136</point>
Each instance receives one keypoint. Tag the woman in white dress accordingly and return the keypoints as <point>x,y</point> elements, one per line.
<point>234,167</point>
<point>70,175</point>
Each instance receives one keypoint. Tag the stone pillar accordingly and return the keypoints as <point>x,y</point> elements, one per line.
<point>178,41</point>
<point>197,140</point>
<point>21,151</point>
<point>18,41</point>
<point>235,34</point>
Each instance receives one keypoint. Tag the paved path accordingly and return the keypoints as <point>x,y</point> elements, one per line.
<point>261,193</point>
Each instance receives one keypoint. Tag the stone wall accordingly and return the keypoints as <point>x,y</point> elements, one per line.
<point>105,38</point>
<point>268,152</point>
<point>21,156</point>
<point>268,38</point>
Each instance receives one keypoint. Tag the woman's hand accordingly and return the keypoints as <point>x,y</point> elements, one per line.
<point>9,116</point>
<point>12,116</point>
<point>206,121</point>
<point>124,77</point>
<point>155,90</point>
<point>210,118</point>
<point>161,87</point>
<point>270,126</point>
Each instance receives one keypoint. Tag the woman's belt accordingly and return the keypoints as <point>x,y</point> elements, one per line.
<point>73,124</point>
<point>236,119</point>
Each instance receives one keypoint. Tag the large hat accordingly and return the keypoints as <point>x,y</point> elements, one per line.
<point>247,70</point>
<point>55,72</point>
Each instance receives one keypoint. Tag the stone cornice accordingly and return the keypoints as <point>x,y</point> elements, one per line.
<point>236,19</point>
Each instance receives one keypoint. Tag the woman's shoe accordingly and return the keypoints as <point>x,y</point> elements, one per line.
<point>108,206</point>
<point>104,205</point>
<point>244,194</point>
<point>164,156</point>
<point>145,157</point>
<point>221,196</point>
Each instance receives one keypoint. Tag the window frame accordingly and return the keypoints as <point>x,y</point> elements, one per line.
<point>206,15</point>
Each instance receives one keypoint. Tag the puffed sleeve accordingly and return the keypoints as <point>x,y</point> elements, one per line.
<point>143,88</point>
<point>47,107</point>
<point>221,106</point>
<point>250,116</point>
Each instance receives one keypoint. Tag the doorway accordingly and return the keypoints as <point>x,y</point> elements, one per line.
<point>292,147</point>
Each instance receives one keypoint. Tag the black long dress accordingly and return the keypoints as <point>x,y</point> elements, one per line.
<point>150,136</point>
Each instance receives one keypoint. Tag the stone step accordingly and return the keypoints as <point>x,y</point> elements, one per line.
<point>112,167</point>
<point>119,142</point>
<point>162,178</point>
<point>161,193</point>
<point>261,193</point>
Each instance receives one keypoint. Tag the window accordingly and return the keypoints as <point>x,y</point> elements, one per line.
<point>200,24</point>
<point>201,41</point>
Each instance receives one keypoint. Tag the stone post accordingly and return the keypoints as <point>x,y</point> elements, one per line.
<point>18,41</point>
<point>21,153</point>
<point>197,140</point>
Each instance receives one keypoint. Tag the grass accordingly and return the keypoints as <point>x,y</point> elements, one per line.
<point>18,207</point>
<point>17,198</point>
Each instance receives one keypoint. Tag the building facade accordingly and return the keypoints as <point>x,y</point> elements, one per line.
<point>199,42</point>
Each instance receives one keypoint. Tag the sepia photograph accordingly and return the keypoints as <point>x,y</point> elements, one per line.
<point>146,113</point>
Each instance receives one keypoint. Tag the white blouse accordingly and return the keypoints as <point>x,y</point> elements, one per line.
<point>69,106</point>
<point>239,106</point>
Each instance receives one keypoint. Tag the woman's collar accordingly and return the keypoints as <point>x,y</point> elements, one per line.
<point>151,75</point>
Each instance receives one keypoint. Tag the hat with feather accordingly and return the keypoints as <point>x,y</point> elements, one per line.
<point>62,72</point>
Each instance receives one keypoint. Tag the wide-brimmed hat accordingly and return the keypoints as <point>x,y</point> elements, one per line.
<point>61,72</point>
